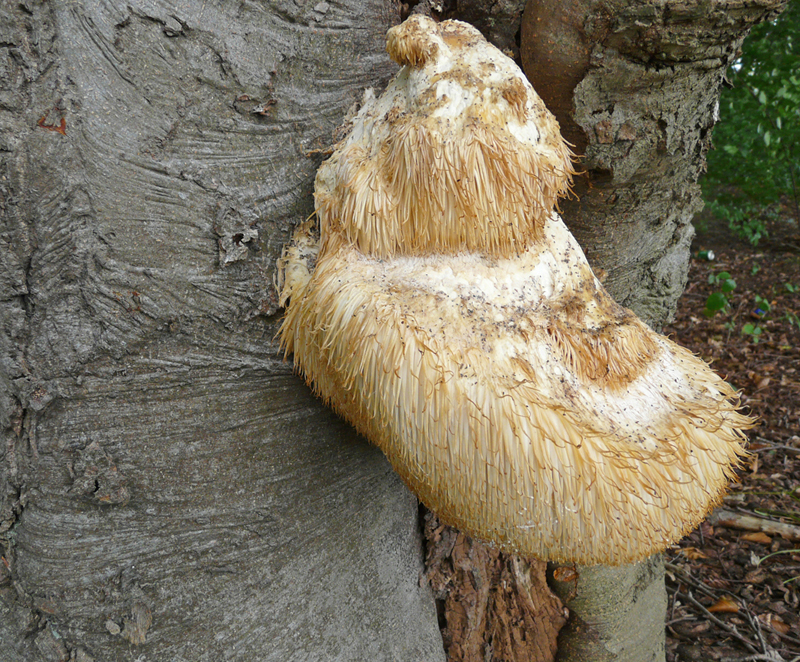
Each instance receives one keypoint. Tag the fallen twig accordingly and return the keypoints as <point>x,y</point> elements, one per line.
<point>771,446</point>
<point>750,645</point>
<point>688,579</point>
<point>682,619</point>
<point>755,624</point>
<point>775,447</point>
<point>734,520</point>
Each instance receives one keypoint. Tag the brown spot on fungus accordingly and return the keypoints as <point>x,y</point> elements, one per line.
<point>410,44</point>
<point>516,95</point>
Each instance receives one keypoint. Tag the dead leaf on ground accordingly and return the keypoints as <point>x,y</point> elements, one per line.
<point>692,553</point>
<point>758,536</point>
<point>724,605</point>
<point>775,622</point>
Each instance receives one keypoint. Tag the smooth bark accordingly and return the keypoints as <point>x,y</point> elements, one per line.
<point>170,490</point>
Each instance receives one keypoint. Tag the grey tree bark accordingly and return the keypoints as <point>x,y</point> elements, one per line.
<point>169,490</point>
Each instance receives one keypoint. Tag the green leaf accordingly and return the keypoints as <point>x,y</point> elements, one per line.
<point>753,167</point>
<point>716,302</point>
<point>751,330</point>
<point>763,303</point>
<point>728,285</point>
<point>723,275</point>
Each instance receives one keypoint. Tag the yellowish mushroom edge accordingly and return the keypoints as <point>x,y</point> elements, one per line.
<point>452,318</point>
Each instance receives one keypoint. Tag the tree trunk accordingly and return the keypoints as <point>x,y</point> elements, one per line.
<point>168,488</point>
<point>635,88</point>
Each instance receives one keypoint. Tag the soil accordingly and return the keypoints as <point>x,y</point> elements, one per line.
<point>734,583</point>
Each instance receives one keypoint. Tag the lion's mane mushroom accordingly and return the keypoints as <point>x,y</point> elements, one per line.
<point>455,322</point>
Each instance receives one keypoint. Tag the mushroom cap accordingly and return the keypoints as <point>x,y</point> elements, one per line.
<point>459,153</point>
<point>506,387</point>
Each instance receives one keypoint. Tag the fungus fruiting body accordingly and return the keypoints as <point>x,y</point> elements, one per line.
<point>454,321</point>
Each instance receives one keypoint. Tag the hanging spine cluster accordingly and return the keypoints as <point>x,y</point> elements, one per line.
<point>454,321</point>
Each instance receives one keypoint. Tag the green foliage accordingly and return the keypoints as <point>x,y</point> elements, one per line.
<point>752,330</point>
<point>722,280</point>
<point>717,301</point>
<point>763,305</point>
<point>744,217</point>
<point>757,155</point>
<point>782,551</point>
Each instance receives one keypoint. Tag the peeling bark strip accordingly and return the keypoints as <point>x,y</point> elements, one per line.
<point>494,606</point>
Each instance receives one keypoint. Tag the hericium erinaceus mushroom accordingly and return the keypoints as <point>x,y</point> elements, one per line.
<point>454,321</point>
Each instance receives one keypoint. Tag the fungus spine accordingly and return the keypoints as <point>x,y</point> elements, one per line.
<point>454,321</point>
